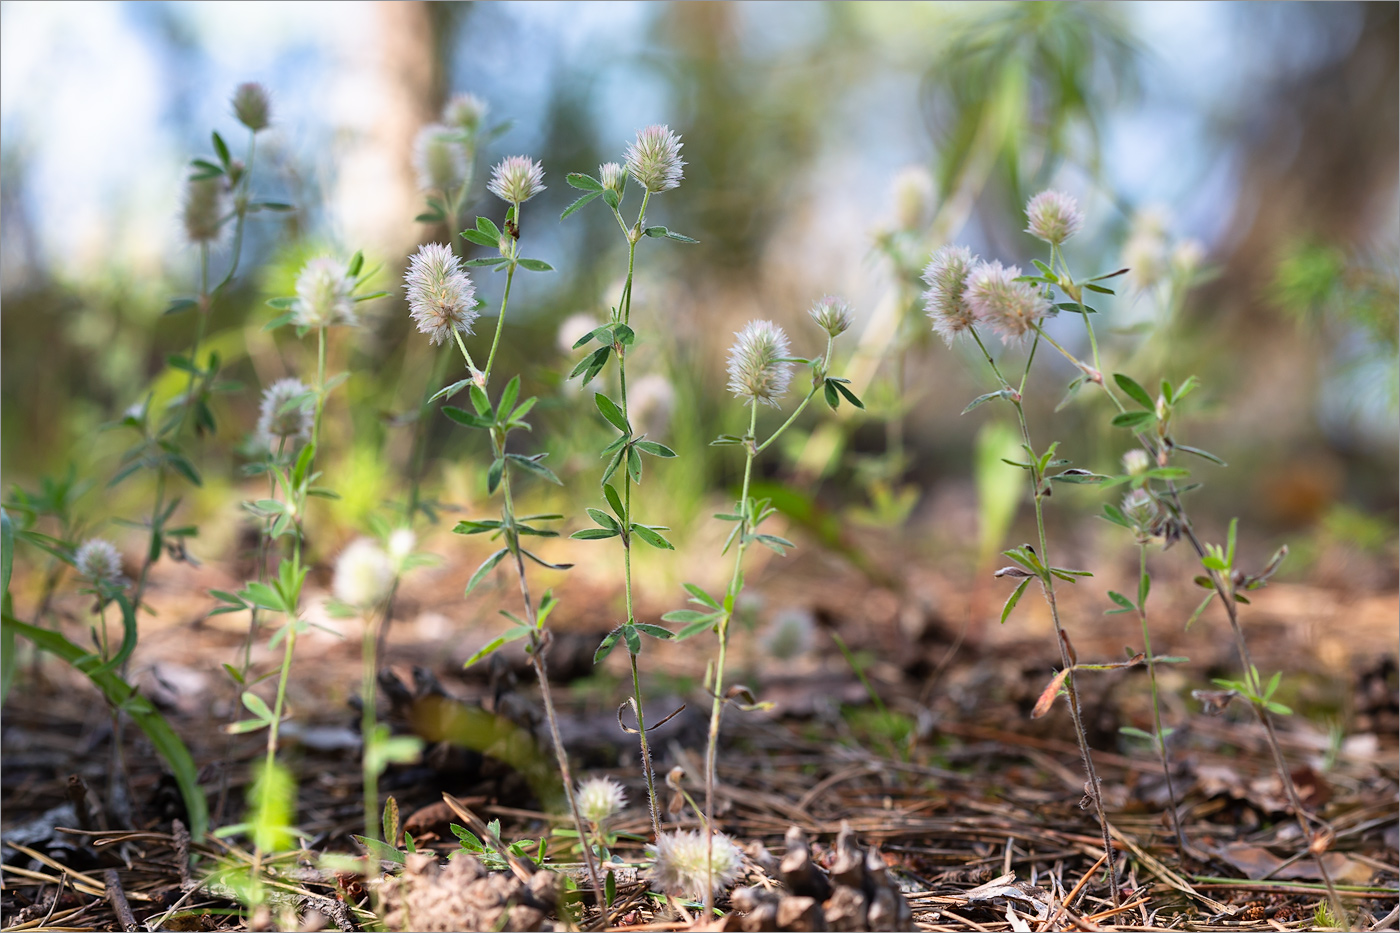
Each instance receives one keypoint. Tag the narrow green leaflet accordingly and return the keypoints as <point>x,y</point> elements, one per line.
<point>485,568</point>
<point>1014,598</point>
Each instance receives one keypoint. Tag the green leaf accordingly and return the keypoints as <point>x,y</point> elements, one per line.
<point>689,616</point>
<point>494,474</point>
<point>593,534</point>
<point>606,646</point>
<point>592,364</point>
<point>634,644</point>
<point>1099,288</point>
<point>655,449</point>
<point>1133,419</point>
<point>774,543</point>
<point>832,399</point>
<point>476,527</point>
<point>482,239</point>
<point>584,182</point>
<point>535,265</point>
<point>1205,454</point>
<point>465,417</point>
<point>579,203</point>
<point>255,705</point>
<point>634,465</point>
<point>357,262</point>
<point>1014,598</point>
<point>1134,391</point>
<point>613,464</point>
<point>655,631</point>
<point>531,465</point>
<point>486,226</point>
<point>515,634</point>
<point>702,597</point>
<point>380,850</point>
<point>1199,609</point>
<point>1144,587</point>
<point>652,538</point>
<point>612,413</point>
<point>221,149</point>
<point>605,520</point>
<point>1121,600</point>
<point>848,395</point>
<point>614,502</point>
<point>485,568</point>
<point>1137,733</point>
<point>693,629</point>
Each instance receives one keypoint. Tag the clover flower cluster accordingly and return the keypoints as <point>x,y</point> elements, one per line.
<point>680,865</point>
<point>439,158</point>
<point>97,559</point>
<point>284,414</point>
<point>757,370</point>
<point>654,159</point>
<point>252,106</point>
<point>204,209</point>
<point>516,179</point>
<point>364,574</point>
<point>832,315</point>
<point>325,295</point>
<point>964,291</point>
<point>599,799</point>
<point>441,296</point>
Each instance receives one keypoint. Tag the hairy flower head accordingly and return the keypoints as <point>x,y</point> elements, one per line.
<point>363,574</point>
<point>325,294</point>
<point>1053,216</point>
<point>913,198</point>
<point>285,413</point>
<point>465,113</point>
<point>755,368</point>
<point>98,560</point>
<point>599,798</point>
<point>516,179</point>
<point>832,315</point>
<point>654,159</point>
<point>204,209</point>
<point>1008,307</point>
<point>441,296</point>
<point>612,175</point>
<point>946,275</point>
<point>1141,511</point>
<point>680,866</point>
<point>251,106</point>
<point>439,159</point>
<point>1136,462</point>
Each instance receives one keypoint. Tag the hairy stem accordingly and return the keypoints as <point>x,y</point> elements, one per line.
<point>500,323</point>
<point>1159,738</point>
<point>368,722</point>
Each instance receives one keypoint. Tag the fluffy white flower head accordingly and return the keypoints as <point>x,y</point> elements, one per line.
<point>251,106</point>
<point>325,295</point>
<point>612,175</point>
<point>285,413</point>
<point>401,544</point>
<point>1008,307</point>
<point>1136,462</point>
<point>98,560</point>
<point>516,179</point>
<point>203,209</point>
<point>654,159</point>
<point>946,275</point>
<point>755,370</point>
<point>832,314</point>
<point>1053,216</point>
<point>363,574</point>
<point>465,112</point>
<point>439,159</point>
<point>600,798</point>
<point>680,868</point>
<point>441,296</point>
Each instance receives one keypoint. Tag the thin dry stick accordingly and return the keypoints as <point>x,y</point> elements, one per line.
<point>117,898</point>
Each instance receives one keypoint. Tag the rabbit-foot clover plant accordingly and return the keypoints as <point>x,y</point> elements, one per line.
<point>760,373</point>
<point>652,161</point>
<point>499,421</point>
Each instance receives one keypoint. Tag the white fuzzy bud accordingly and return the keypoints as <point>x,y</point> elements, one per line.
<point>755,368</point>
<point>832,315</point>
<point>654,159</point>
<point>363,574</point>
<point>516,179</point>
<point>680,866</point>
<point>599,799</point>
<point>98,560</point>
<point>1053,217</point>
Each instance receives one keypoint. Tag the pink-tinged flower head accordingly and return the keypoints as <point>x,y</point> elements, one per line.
<point>832,315</point>
<point>516,179</point>
<point>1008,307</point>
<point>756,370</point>
<point>1053,217</point>
<point>441,296</point>
<point>684,863</point>
<point>654,159</point>
<point>98,560</point>
<point>252,107</point>
<point>325,295</point>
<point>946,275</point>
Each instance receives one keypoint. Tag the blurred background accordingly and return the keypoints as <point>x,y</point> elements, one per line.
<point>1241,159</point>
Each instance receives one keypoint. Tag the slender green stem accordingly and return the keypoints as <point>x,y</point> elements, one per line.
<point>647,768</point>
<point>501,319</point>
<point>1159,736</point>
<point>368,722</point>
<point>320,384</point>
<point>826,364</point>
<point>717,705</point>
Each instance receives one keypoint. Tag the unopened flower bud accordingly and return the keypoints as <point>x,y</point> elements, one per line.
<point>466,113</point>
<point>251,106</point>
<point>612,176</point>
<point>832,315</point>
